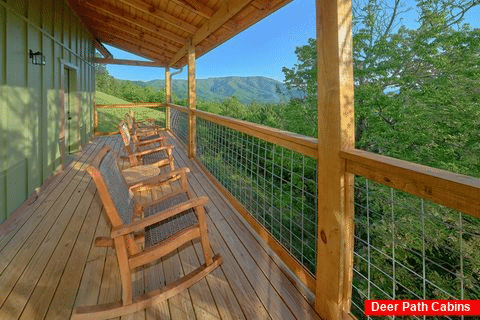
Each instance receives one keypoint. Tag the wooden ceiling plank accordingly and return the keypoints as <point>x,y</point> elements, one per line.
<point>153,11</point>
<point>141,44</point>
<point>226,11</point>
<point>199,7</point>
<point>133,47</point>
<point>116,27</point>
<point>137,63</point>
<point>152,51</point>
<point>124,16</point>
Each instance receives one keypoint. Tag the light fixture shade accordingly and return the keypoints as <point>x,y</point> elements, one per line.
<point>37,58</point>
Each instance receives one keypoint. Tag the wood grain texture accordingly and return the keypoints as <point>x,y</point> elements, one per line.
<point>336,129</point>
<point>453,190</point>
<point>248,285</point>
<point>192,101</point>
<point>168,97</point>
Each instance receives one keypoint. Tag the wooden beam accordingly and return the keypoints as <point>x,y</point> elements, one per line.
<point>192,6</point>
<point>336,126</point>
<point>168,96</point>
<point>449,189</point>
<point>156,13</point>
<point>192,101</point>
<point>126,17</point>
<point>130,105</point>
<point>104,51</point>
<point>226,11</point>
<point>136,63</point>
<point>197,7</point>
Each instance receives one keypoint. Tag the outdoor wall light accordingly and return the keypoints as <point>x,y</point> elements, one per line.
<point>37,58</point>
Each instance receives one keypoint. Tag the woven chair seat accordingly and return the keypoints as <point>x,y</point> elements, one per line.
<point>152,137</point>
<point>149,146</point>
<point>165,229</point>
<point>154,157</point>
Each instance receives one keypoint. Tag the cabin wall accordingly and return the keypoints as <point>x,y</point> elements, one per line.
<point>30,95</point>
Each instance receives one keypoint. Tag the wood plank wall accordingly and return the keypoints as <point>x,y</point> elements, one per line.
<point>30,94</point>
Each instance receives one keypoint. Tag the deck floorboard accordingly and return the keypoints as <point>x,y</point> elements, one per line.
<point>49,264</point>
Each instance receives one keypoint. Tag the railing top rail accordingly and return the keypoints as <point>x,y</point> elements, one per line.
<point>296,142</point>
<point>450,189</point>
<point>176,106</point>
<point>130,105</point>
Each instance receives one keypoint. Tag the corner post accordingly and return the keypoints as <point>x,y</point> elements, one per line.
<point>95,119</point>
<point>336,125</point>
<point>192,100</point>
<point>168,97</point>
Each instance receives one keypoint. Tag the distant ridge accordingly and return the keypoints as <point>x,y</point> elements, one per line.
<point>246,89</point>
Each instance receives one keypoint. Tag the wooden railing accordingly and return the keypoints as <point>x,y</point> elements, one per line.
<point>453,190</point>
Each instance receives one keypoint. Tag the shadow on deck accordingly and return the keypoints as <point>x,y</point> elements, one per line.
<point>48,264</point>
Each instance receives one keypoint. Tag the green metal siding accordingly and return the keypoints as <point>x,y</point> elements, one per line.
<point>30,94</point>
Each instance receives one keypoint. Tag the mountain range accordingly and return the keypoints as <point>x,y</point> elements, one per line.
<point>246,89</point>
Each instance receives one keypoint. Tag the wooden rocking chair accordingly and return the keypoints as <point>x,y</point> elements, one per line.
<point>150,152</point>
<point>143,132</point>
<point>142,234</point>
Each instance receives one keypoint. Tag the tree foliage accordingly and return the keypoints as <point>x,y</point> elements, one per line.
<point>126,90</point>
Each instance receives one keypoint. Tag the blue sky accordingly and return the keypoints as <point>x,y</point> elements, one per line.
<point>261,50</point>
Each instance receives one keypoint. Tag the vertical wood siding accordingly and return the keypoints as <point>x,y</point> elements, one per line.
<point>30,94</point>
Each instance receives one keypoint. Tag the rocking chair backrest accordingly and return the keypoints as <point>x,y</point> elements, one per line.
<point>127,138</point>
<point>117,200</point>
<point>129,121</point>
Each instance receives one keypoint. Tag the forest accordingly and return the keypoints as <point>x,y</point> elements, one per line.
<point>417,98</point>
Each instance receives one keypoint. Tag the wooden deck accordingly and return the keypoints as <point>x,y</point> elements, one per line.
<point>48,264</point>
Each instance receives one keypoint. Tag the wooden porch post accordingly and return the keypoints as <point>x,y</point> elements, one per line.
<point>95,118</point>
<point>168,97</point>
<point>336,125</point>
<point>192,100</point>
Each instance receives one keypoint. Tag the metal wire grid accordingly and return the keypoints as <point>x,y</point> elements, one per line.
<point>179,124</point>
<point>410,248</point>
<point>277,186</point>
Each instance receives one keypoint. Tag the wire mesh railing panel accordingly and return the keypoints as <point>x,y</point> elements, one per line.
<point>179,124</point>
<point>276,185</point>
<point>410,248</point>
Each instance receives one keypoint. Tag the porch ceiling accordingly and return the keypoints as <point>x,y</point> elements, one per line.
<point>159,30</point>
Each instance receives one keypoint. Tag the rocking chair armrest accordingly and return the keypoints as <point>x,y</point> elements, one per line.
<point>160,179</point>
<point>145,131</point>
<point>159,216</point>
<point>147,142</point>
<point>149,151</point>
